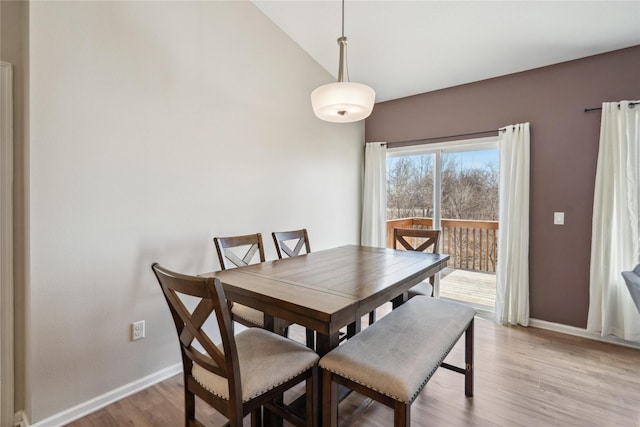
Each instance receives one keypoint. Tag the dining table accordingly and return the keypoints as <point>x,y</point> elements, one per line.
<point>328,290</point>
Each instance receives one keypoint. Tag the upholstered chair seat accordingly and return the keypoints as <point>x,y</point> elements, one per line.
<point>266,361</point>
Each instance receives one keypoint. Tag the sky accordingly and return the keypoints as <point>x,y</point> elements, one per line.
<point>478,159</point>
<point>468,159</point>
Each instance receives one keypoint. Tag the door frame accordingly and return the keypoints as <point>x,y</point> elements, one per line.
<point>437,149</point>
<point>6,246</point>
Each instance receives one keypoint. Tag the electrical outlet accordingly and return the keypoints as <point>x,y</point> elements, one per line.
<point>137,330</point>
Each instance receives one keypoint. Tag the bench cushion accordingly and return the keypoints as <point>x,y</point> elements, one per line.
<point>398,354</point>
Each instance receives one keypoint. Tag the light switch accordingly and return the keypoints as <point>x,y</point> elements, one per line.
<point>558,218</point>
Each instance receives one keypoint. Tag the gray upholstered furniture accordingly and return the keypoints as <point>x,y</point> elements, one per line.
<point>245,372</point>
<point>632,279</point>
<point>392,360</point>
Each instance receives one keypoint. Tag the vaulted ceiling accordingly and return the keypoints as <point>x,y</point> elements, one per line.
<point>403,48</point>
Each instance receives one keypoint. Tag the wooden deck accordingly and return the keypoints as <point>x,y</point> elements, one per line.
<point>469,286</point>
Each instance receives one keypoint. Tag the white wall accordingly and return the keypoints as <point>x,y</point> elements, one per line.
<point>154,127</point>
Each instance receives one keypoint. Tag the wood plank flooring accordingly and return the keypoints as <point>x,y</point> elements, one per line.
<point>523,377</point>
<point>471,286</point>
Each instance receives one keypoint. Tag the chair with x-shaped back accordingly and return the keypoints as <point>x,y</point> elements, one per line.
<point>243,373</point>
<point>421,240</point>
<point>414,239</point>
<point>284,240</point>
<point>238,251</point>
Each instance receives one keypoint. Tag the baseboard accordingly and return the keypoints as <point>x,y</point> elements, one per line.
<point>485,313</point>
<point>100,402</point>
<point>579,332</point>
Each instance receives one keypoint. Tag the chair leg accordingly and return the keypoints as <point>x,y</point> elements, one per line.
<point>372,317</point>
<point>402,415</point>
<point>189,405</point>
<point>354,328</point>
<point>312,397</point>
<point>329,401</point>
<point>256,417</point>
<point>311,339</point>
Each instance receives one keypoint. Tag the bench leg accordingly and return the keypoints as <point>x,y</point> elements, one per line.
<point>329,401</point>
<point>402,415</point>
<point>468,359</point>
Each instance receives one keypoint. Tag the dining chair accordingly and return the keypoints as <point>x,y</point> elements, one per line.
<point>244,372</point>
<point>230,250</point>
<point>421,240</point>
<point>238,251</point>
<point>283,240</point>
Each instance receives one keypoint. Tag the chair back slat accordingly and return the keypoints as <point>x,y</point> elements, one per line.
<point>284,239</point>
<point>420,240</point>
<point>229,250</point>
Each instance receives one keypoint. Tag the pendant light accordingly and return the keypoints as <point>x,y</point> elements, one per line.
<point>342,101</point>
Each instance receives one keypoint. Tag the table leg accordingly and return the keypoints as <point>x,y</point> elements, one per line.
<point>274,324</point>
<point>326,343</point>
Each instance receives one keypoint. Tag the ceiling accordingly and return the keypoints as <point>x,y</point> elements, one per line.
<point>403,48</point>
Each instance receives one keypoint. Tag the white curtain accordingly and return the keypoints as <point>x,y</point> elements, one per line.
<point>615,230</point>
<point>374,203</point>
<point>512,275</point>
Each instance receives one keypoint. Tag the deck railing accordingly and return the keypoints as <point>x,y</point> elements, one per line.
<point>472,245</point>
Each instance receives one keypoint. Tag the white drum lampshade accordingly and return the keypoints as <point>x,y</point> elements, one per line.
<point>343,102</point>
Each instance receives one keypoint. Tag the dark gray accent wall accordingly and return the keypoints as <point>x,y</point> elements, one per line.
<point>564,150</point>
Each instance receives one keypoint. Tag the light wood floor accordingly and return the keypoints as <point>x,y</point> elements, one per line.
<point>523,377</point>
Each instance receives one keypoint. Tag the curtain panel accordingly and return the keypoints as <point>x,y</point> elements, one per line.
<point>615,238</point>
<point>374,203</point>
<point>512,273</point>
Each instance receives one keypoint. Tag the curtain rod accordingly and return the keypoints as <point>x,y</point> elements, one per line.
<point>411,142</point>
<point>631,104</point>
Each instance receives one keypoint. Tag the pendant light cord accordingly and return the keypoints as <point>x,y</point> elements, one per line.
<point>342,18</point>
<point>345,57</point>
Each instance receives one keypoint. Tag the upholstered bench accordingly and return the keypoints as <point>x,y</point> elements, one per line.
<point>392,360</point>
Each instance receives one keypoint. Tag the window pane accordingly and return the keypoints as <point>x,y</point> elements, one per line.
<point>470,185</point>
<point>410,186</point>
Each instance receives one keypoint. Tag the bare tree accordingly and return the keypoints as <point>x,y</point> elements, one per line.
<point>467,192</point>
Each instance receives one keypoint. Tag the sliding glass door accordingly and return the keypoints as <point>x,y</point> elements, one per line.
<point>451,187</point>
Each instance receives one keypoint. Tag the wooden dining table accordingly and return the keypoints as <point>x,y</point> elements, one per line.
<point>328,290</point>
